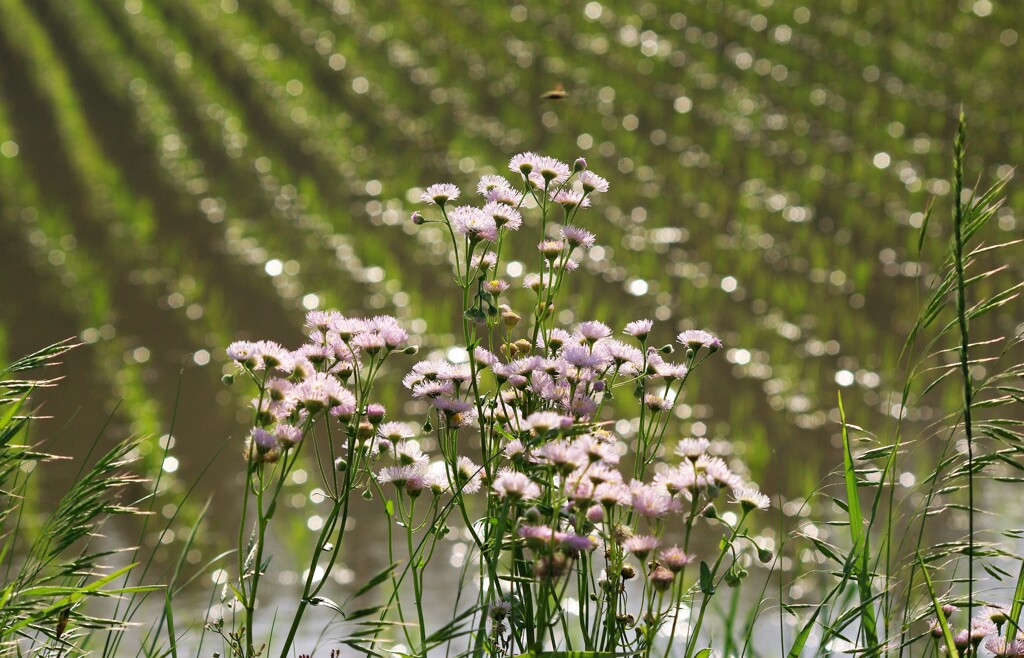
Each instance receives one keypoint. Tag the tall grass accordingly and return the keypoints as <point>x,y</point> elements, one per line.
<point>902,575</point>
<point>51,573</point>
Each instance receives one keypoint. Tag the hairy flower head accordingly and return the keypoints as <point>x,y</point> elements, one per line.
<point>440,194</point>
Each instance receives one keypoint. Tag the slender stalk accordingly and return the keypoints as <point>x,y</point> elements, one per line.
<point>250,602</point>
<point>691,644</point>
<point>961,313</point>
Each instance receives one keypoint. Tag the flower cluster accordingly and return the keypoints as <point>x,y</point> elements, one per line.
<point>539,396</point>
<point>295,386</point>
<point>985,629</point>
<point>527,459</point>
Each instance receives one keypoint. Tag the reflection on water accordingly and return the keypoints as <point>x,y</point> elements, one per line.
<point>174,175</point>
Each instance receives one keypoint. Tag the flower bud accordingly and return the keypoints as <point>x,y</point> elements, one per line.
<point>509,317</point>
<point>522,346</point>
<point>710,512</point>
<point>375,413</point>
<point>364,431</point>
<point>411,349</point>
<point>475,314</point>
<point>666,349</point>
<point>661,578</point>
<point>367,495</point>
<point>340,465</point>
<point>417,218</point>
<point>628,571</point>
<point>228,379</point>
<point>764,555</point>
<point>579,165</point>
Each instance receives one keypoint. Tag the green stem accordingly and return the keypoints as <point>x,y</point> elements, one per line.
<point>961,313</point>
<point>691,644</point>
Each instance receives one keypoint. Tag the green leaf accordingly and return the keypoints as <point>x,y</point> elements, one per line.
<point>706,586</point>
<point>947,635</point>
<point>861,545</point>
<point>368,611</point>
<point>924,227</point>
<point>1018,603</point>
<point>95,588</point>
<point>377,579</point>
<point>169,611</point>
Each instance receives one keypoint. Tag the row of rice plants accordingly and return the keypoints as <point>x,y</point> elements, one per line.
<point>362,29</point>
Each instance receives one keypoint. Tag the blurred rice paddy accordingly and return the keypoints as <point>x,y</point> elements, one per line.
<point>175,174</point>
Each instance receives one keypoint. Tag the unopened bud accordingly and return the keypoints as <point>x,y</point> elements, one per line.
<point>764,555</point>
<point>667,349</point>
<point>475,314</point>
<point>661,578</point>
<point>417,218</point>
<point>228,379</point>
<point>509,317</point>
<point>710,512</point>
<point>579,165</point>
<point>340,465</point>
<point>628,571</point>
<point>411,349</point>
<point>375,413</point>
